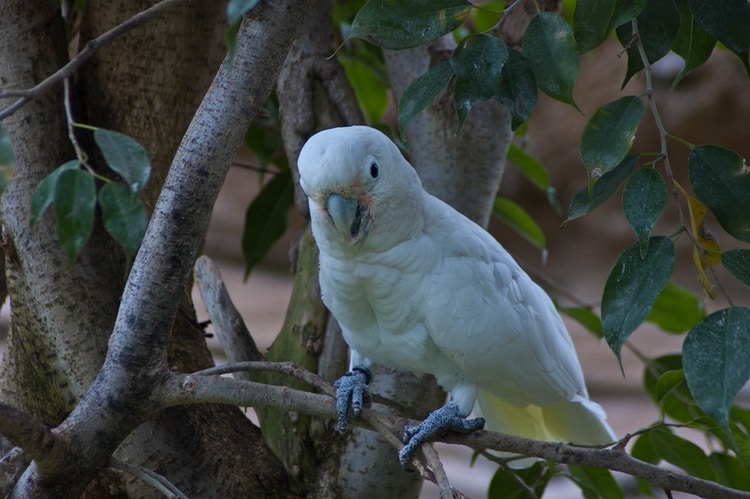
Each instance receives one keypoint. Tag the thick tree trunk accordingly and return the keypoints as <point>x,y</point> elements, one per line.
<point>62,315</point>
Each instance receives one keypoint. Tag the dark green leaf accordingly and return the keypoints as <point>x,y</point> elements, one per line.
<point>678,404</point>
<point>518,88</point>
<point>737,262</point>
<point>236,9</point>
<point>392,24</point>
<point>124,156</point>
<point>593,20</point>
<point>595,483</point>
<point>421,93</point>
<point>586,318</point>
<point>44,194</point>
<point>371,92</point>
<point>520,221</point>
<point>730,471</point>
<point>531,167</point>
<point>505,483</point>
<point>583,203</point>
<point>721,180</point>
<point>609,134</point>
<point>550,47</point>
<point>676,310</point>
<point>266,218</point>
<point>75,200</point>
<point>692,43</point>
<point>643,201</point>
<point>124,216</point>
<point>715,354</point>
<point>657,27</point>
<point>632,287</point>
<point>478,63</point>
<point>644,450</point>
<point>7,157</point>
<point>682,453</point>
<point>727,21</point>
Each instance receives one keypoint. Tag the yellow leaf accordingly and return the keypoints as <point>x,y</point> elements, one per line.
<point>710,252</point>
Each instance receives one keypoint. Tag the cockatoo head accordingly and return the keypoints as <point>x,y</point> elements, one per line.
<point>359,185</point>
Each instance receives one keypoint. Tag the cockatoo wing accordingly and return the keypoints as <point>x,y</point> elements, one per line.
<point>504,334</point>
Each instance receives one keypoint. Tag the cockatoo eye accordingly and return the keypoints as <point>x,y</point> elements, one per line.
<point>374,170</point>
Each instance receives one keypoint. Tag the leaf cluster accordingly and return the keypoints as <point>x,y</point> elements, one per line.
<point>72,190</point>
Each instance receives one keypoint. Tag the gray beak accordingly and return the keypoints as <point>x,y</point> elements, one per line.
<point>348,216</point>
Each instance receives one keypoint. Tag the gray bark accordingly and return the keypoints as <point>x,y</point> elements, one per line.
<point>121,395</point>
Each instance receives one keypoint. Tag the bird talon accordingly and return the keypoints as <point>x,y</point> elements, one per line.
<point>351,392</point>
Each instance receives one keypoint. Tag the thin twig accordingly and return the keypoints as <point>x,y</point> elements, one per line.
<point>87,51</point>
<point>150,477</point>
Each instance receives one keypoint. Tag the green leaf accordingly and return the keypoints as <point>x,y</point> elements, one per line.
<point>730,471</point>
<point>421,93</point>
<point>518,88</point>
<point>124,216</point>
<point>595,483</point>
<point>393,24</point>
<point>75,200</point>
<point>692,43</point>
<point>657,28</point>
<point>644,450</point>
<point>668,382</point>
<point>676,310</point>
<point>237,9</point>
<point>586,318</point>
<point>643,201</point>
<point>727,21</point>
<point>124,156</point>
<point>682,453</point>
<point>520,221</point>
<point>609,134</point>
<point>266,219</point>
<point>678,403</point>
<point>478,63</point>
<point>505,483</point>
<point>370,91</point>
<point>583,202</point>
<point>721,180</point>
<point>550,47</point>
<point>632,287</point>
<point>44,194</point>
<point>531,167</point>
<point>737,262</point>
<point>7,158</point>
<point>593,20</point>
<point>715,354</point>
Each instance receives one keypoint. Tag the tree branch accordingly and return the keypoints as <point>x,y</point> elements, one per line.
<point>87,51</point>
<point>36,440</point>
<point>230,328</point>
<point>152,478</point>
<point>200,388</point>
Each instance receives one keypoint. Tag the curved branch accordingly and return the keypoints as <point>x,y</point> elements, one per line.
<point>25,431</point>
<point>193,389</point>
<point>88,50</point>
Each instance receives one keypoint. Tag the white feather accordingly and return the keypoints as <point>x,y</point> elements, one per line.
<point>423,288</point>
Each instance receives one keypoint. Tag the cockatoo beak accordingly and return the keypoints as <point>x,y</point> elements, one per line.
<point>348,216</point>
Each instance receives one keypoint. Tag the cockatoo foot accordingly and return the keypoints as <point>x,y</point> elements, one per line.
<point>446,418</point>
<point>351,391</point>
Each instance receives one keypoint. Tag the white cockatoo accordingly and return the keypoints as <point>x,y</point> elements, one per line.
<point>416,285</point>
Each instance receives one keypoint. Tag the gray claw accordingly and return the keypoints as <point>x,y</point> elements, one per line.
<point>351,391</point>
<point>445,418</point>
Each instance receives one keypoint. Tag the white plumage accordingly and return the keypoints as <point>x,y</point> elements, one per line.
<point>417,285</point>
